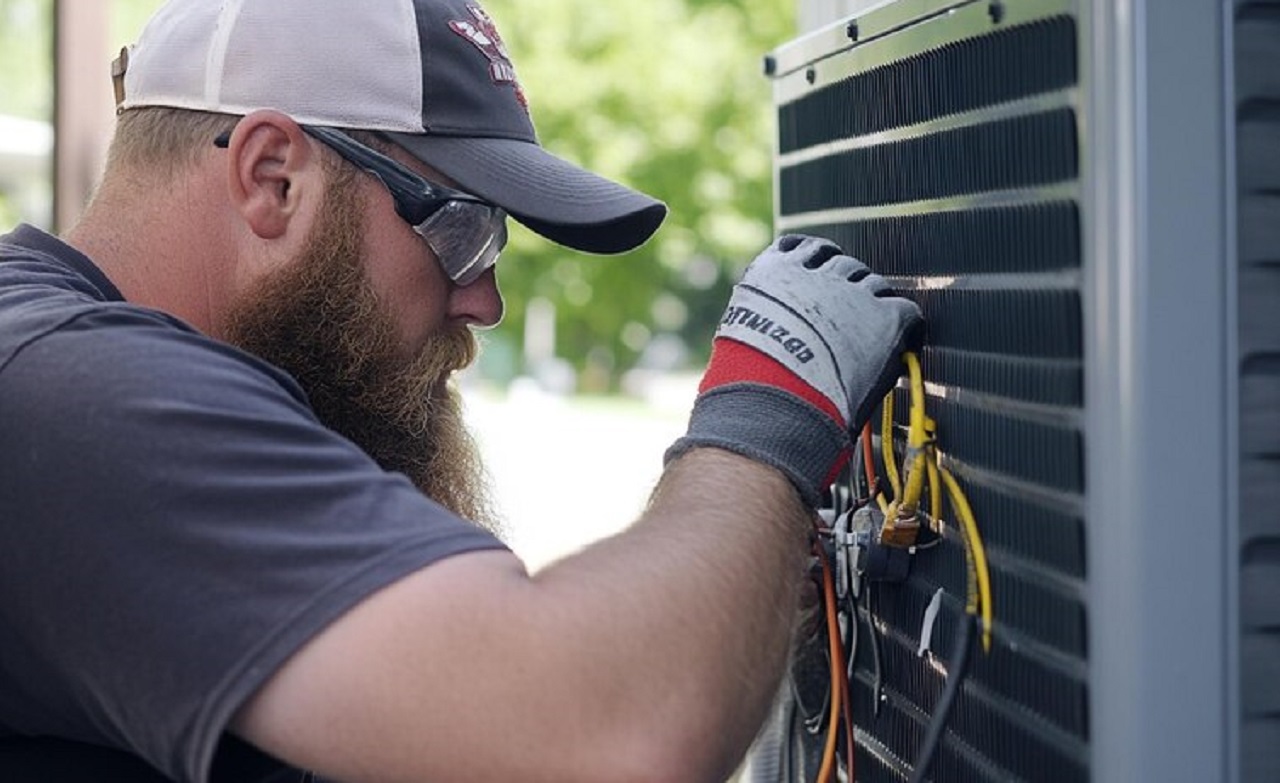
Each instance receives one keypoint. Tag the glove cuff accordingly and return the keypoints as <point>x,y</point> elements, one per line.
<point>770,426</point>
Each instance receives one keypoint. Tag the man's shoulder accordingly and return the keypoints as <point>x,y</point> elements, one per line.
<point>46,289</point>
<point>89,333</point>
<point>37,309</point>
<point>59,348</point>
<point>34,262</point>
<point>59,331</point>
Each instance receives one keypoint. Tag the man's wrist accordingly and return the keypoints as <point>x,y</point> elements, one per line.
<point>745,471</point>
<point>773,427</point>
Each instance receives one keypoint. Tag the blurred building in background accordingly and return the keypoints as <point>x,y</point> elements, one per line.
<point>56,110</point>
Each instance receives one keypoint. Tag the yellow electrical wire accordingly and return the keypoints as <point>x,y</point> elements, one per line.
<point>979,554</point>
<point>935,496</point>
<point>917,438</point>
<point>886,446</point>
<point>924,464</point>
<point>973,595</point>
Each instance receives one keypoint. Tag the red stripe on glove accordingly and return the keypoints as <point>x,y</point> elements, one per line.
<point>735,362</point>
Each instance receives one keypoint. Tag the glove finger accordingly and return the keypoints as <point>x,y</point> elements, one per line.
<point>809,250</point>
<point>793,249</point>
<point>878,286</point>
<point>886,380</point>
<point>821,256</point>
<point>789,242</point>
<point>908,337</point>
<point>848,268</point>
<point>912,332</point>
<point>881,289</point>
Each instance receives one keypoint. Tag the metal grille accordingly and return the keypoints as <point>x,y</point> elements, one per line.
<point>945,154</point>
<point>1258,159</point>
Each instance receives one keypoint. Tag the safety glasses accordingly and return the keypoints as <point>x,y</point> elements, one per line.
<point>465,232</point>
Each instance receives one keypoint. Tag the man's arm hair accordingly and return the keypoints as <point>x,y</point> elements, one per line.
<point>650,656</point>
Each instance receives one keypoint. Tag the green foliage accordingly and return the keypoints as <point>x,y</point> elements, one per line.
<point>9,216</point>
<point>26,51</point>
<point>27,77</point>
<point>26,58</point>
<point>666,96</point>
<point>127,20</point>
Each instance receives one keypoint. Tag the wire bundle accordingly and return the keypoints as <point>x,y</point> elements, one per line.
<point>921,467</point>
<point>922,462</point>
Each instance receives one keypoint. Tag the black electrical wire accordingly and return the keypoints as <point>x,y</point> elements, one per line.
<point>875,651</point>
<point>938,723</point>
<point>855,472</point>
<point>851,648</point>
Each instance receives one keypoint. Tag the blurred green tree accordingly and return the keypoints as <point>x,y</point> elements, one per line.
<point>667,96</point>
<point>26,59</point>
<point>26,87</point>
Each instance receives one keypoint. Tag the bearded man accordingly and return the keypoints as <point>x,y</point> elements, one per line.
<point>320,320</point>
<point>239,515</point>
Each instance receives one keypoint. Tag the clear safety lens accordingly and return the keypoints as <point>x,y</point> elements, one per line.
<point>466,238</point>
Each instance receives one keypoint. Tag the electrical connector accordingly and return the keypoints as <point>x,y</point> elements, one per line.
<point>875,560</point>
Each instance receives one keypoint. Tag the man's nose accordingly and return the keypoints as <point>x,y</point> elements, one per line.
<point>479,303</point>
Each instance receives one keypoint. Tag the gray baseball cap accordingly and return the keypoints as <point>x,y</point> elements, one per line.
<point>433,75</point>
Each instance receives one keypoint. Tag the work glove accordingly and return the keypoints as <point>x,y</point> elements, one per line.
<point>810,343</point>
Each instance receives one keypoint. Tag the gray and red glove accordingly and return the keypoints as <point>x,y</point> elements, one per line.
<point>810,343</point>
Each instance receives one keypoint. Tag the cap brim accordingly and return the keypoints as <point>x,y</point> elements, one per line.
<point>562,202</point>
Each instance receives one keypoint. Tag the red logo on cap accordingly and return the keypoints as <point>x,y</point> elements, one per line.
<point>484,34</point>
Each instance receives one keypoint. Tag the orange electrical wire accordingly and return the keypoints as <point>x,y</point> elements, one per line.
<point>836,659</point>
<point>848,708</point>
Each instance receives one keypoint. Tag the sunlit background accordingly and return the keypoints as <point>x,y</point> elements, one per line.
<point>592,373</point>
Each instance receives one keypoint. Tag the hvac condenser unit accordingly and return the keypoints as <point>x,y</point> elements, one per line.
<point>1084,197</point>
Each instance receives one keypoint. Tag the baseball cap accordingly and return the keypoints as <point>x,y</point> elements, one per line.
<point>434,76</point>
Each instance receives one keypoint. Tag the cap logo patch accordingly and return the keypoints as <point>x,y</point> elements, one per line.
<point>483,33</point>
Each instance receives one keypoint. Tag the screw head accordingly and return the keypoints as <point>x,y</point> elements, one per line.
<point>851,30</point>
<point>811,75</point>
<point>996,12</point>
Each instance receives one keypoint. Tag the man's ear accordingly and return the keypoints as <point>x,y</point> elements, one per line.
<point>271,167</point>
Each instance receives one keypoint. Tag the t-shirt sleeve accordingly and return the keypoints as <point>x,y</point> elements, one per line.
<point>174,524</point>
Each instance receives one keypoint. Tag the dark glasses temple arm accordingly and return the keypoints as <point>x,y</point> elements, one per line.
<point>402,181</point>
<point>398,178</point>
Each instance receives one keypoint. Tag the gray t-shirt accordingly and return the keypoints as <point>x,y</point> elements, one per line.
<point>174,520</point>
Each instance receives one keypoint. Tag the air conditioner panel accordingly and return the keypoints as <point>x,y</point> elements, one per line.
<point>946,154</point>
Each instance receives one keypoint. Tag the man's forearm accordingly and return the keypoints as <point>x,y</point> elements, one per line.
<point>697,600</point>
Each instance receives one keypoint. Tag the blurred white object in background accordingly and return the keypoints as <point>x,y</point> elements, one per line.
<point>570,470</point>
